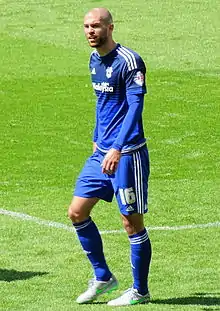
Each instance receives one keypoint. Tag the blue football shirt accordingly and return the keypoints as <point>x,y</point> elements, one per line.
<point>116,77</point>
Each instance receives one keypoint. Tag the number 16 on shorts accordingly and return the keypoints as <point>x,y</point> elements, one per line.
<point>127,196</point>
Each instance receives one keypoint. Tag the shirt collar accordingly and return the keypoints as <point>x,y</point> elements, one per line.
<point>111,54</point>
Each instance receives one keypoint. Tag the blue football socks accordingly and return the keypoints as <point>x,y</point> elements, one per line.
<point>91,242</point>
<point>140,260</point>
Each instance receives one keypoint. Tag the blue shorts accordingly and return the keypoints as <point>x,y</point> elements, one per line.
<point>129,183</point>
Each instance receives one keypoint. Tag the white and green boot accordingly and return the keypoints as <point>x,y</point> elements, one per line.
<point>130,297</point>
<point>97,288</point>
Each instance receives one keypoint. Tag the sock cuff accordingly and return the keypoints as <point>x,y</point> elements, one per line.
<point>139,237</point>
<point>83,224</point>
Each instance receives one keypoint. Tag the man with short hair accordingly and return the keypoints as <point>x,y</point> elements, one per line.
<point>119,164</point>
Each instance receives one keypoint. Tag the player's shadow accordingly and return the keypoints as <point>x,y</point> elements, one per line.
<point>201,299</point>
<point>15,275</point>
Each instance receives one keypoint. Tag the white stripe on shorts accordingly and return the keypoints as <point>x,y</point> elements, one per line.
<point>138,182</point>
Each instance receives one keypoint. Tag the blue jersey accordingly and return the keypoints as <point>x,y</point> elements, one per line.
<point>116,77</point>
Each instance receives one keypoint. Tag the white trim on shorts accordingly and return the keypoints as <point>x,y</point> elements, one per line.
<point>138,182</point>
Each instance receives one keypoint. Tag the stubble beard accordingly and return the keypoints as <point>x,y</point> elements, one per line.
<point>102,41</point>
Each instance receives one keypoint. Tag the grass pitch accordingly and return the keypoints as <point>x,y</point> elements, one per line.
<point>47,117</point>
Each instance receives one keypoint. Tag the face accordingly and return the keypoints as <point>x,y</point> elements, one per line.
<point>96,31</point>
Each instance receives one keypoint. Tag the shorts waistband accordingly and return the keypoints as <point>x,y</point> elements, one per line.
<point>123,153</point>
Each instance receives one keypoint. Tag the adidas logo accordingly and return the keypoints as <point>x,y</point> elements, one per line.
<point>129,209</point>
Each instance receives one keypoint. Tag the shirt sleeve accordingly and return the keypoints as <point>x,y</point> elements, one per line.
<point>135,84</point>
<point>135,102</point>
<point>135,79</point>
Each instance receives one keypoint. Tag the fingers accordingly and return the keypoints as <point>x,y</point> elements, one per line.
<point>110,162</point>
<point>108,172</point>
<point>111,170</point>
<point>113,166</point>
<point>108,167</point>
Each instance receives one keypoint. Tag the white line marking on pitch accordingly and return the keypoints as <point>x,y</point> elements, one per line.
<point>58,225</point>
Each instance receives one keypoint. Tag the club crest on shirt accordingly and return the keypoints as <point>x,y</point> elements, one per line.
<point>139,78</point>
<point>109,71</point>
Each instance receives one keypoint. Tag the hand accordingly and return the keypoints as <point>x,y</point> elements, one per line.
<point>110,162</point>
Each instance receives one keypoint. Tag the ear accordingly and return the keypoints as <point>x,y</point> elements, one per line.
<point>111,27</point>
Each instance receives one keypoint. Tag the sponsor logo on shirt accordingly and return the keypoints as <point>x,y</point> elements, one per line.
<point>103,87</point>
<point>139,78</point>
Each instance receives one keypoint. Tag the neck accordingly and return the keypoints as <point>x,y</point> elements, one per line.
<point>107,48</point>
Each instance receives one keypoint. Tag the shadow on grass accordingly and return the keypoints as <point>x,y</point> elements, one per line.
<point>14,275</point>
<point>97,303</point>
<point>202,299</point>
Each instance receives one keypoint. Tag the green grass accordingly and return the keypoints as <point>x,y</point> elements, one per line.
<point>47,118</point>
